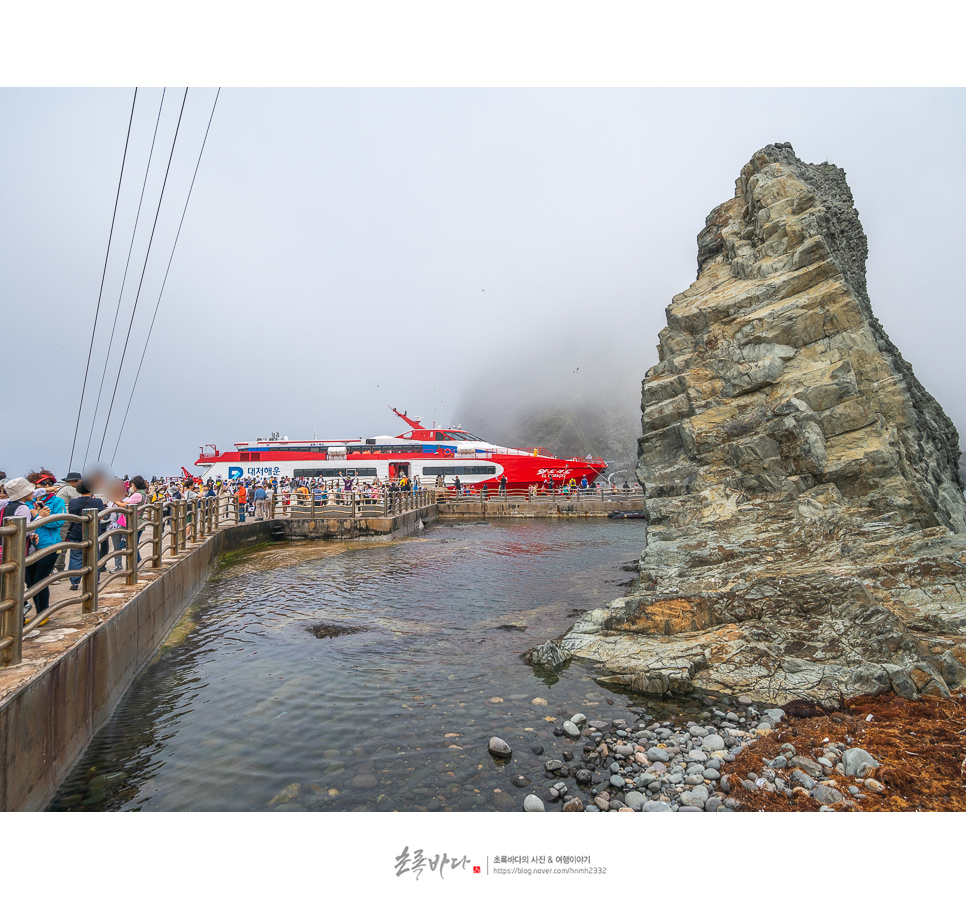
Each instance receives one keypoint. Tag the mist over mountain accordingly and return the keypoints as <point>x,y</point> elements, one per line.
<point>570,409</point>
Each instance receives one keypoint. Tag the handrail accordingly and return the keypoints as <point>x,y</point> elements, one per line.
<point>154,527</point>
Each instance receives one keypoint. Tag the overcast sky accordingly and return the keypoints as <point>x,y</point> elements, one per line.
<point>347,249</point>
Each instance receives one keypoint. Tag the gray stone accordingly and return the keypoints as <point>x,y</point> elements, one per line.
<point>695,797</point>
<point>617,781</point>
<point>858,762</point>
<point>499,748</point>
<point>713,803</point>
<point>807,765</point>
<point>725,784</point>
<point>778,763</point>
<point>624,750</point>
<point>774,715</point>
<point>799,778</point>
<point>659,755</point>
<point>713,743</point>
<point>553,766</point>
<point>533,803</point>
<point>654,805</point>
<point>547,655</point>
<point>578,719</point>
<point>571,730</point>
<point>826,795</point>
<point>712,775</point>
<point>635,800</point>
<point>574,804</point>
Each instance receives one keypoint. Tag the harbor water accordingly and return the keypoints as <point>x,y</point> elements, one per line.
<point>366,676</point>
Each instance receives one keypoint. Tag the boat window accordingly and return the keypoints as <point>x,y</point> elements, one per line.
<point>459,470</point>
<point>333,471</point>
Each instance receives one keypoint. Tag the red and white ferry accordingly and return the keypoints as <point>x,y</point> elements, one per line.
<point>423,452</point>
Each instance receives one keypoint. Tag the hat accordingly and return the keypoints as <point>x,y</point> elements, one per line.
<point>18,488</point>
<point>73,477</point>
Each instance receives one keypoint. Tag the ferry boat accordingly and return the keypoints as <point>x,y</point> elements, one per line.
<point>424,452</point>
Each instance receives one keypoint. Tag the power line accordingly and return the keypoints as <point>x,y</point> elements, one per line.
<point>90,350</point>
<point>165,281</point>
<point>127,264</point>
<point>144,268</point>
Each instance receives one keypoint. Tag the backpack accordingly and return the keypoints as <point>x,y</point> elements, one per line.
<point>31,538</point>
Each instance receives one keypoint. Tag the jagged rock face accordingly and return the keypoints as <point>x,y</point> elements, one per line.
<point>804,492</point>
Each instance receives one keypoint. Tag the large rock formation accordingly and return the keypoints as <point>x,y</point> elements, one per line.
<point>804,491</point>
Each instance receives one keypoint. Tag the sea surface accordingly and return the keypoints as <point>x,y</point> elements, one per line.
<point>245,708</point>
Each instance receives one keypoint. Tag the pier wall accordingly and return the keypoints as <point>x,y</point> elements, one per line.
<point>46,724</point>
<point>305,527</point>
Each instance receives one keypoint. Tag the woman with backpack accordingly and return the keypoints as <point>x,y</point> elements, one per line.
<point>43,504</point>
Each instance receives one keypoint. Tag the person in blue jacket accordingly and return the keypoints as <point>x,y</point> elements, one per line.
<point>45,503</point>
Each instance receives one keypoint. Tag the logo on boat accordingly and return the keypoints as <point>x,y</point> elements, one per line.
<point>235,472</point>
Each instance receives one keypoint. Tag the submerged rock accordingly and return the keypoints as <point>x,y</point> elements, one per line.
<point>325,630</point>
<point>807,520</point>
<point>499,748</point>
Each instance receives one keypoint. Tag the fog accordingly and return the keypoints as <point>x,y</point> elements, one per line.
<point>456,253</point>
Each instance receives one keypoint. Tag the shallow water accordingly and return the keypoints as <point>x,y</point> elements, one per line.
<point>245,709</point>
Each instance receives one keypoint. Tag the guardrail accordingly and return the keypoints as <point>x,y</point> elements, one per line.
<point>148,533</point>
<point>348,505</point>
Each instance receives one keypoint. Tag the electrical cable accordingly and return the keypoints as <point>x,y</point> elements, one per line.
<point>90,350</point>
<point>127,264</point>
<point>144,268</point>
<point>165,281</point>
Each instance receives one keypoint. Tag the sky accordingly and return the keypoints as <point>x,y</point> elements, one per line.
<point>348,249</point>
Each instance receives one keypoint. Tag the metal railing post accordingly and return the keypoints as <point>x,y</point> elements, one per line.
<point>90,532</point>
<point>158,525</point>
<point>11,591</point>
<point>132,544</point>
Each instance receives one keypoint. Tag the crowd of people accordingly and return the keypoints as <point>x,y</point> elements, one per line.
<point>40,494</point>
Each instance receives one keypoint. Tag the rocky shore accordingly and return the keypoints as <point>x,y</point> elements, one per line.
<point>644,765</point>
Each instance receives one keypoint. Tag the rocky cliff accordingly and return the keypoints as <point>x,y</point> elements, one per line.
<point>807,520</point>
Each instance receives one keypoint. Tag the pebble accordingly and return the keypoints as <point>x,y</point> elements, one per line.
<point>520,780</point>
<point>873,785</point>
<point>533,803</point>
<point>658,754</point>
<point>711,743</point>
<point>858,762</point>
<point>654,805</point>
<point>578,718</point>
<point>499,748</point>
<point>538,701</point>
<point>617,781</point>
<point>635,800</point>
<point>537,749</point>
<point>826,795</point>
<point>573,805</point>
<point>364,781</point>
<point>571,730</point>
<point>744,700</point>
